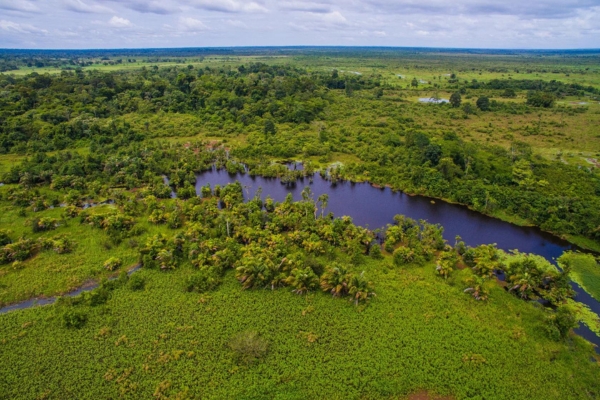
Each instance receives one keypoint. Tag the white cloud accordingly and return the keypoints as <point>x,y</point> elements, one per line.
<point>373,33</point>
<point>434,23</point>
<point>119,22</point>
<point>19,5</point>
<point>192,25</point>
<point>81,7</point>
<point>334,17</point>
<point>11,26</point>
<point>228,6</point>
<point>160,7</point>
<point>306,6</point>
<point>237,23</point>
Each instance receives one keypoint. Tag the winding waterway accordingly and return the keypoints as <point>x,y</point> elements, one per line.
<point>374,208</point>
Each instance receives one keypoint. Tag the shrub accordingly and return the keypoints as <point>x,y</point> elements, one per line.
<point>560,323</point>
<point>44,224</point>
<point>20,250</point>
<point>113,263</point>
<point>202,281</point>
<point>62,244</point>
<point>405,255</point>
<point>375,251</point>
<point>4,237</point>
<point>136,283</point>
<point>248,346</point>
<point>74,319</point>
<point>98,296</point>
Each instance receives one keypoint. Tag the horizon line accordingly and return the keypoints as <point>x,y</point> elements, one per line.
<point>582,49</point>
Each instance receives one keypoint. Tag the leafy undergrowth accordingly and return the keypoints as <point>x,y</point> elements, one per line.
<point>420,333</point>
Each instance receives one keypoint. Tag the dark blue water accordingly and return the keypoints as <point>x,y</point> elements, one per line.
<point>374,208</point>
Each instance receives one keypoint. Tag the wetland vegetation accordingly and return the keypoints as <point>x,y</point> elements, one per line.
<point>241,295</point>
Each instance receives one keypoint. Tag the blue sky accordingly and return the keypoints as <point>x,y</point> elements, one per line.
<point>67,24</point>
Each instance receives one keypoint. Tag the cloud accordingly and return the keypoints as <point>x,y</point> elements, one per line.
<point>237,23</point>
<point>228,6</point>
<point>192,25</point>
<point>81,7</point>
<point>524,9</point>
<point>19,5</point>
<point>150,7</point>
<point>119,22</point>
<point>171,23</point>
<point>14,27</point>
<point>334,17</point>
<point>305,6</point>
<point>373,33</point>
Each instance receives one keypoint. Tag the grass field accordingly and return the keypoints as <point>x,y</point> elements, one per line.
<point>419,333</point>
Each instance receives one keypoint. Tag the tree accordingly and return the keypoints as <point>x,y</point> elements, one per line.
<point>414,83</point>
<point>359,288</point>
<point>335,280</point>
<point>446,263</point>
<point>523,174</point>
<point>468,109</point>
<point>509,93</point>
<point>269,128</point>
<point>324,201</point>
<point>348,89</point>
<point>483,103</point>
<point>455,100</point>
<point>540,99</point>
<point>303,280</point>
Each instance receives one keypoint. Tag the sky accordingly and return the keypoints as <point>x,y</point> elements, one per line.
<point>84,24</point>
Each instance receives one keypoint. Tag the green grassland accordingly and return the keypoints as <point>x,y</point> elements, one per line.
<point>418,333</point>
<point>48,273</point>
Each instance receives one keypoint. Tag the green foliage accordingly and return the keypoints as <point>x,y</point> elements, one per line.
<point>559,323</point>
<point>113,263</point>
<point>446,263</point>
<point>540,99</point>
<point>202,282</point>
<point>455,99</point>
<point>136,282</point>
<point>92,137</point>
<point>44,224</point>
<point>248,346</point>
<point>375,251</point>
<point>73,318</point>
<point>483,103</point>
<point>5,237</point>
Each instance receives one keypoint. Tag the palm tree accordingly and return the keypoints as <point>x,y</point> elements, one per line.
<point>335,280</point>
<point>446,263</point>
<point>302,280</point>
<point>324,200</point>
<point>477,289</point>
<point>253,272</point>
<point>359,288</point>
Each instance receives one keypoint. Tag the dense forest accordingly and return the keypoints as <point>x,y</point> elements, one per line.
<point>44,113</point>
